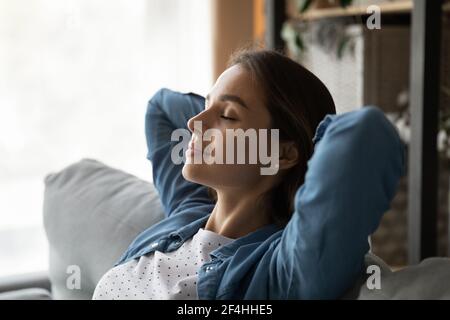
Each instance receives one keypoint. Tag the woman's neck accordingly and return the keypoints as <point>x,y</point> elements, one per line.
<point>236,215</point>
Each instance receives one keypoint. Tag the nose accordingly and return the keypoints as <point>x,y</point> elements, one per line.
<point>202,118</point>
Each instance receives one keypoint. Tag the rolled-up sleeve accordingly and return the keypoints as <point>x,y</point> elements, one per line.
<point>167,111</point>
<point>350,182</point>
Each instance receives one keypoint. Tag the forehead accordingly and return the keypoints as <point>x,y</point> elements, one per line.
<point>238,81</point>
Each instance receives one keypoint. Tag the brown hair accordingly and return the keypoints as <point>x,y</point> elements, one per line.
<point>297,101</point>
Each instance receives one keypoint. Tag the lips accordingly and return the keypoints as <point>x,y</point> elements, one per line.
<point>191,151</point>
<point>191,146</point>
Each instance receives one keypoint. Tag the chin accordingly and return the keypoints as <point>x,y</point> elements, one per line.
<point>194,173</point>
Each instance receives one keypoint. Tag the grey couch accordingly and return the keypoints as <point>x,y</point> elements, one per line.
<point>92,212</point>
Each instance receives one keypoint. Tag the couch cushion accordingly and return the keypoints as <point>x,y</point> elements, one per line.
<point>92,212</point>
<point>428,280</point>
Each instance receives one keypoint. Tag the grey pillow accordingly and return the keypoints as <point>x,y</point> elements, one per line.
<point>92,212</point>
<point>427,280</point>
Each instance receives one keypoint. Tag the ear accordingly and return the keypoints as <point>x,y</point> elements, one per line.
<point>289,155</point>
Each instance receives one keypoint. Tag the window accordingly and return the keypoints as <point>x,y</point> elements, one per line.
<point>76,77</point>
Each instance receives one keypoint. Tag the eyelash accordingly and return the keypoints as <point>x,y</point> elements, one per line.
<point>227,118</point>
<point>222,116</point>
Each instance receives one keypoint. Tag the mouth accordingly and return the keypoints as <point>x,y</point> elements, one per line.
<point>191,151</point>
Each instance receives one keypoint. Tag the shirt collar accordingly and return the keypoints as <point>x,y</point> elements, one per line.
<point>229,249</point>
<point>256,236</point>
<point>190,229</point>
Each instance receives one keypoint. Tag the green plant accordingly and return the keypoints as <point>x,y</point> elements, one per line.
<point>401,118</point>
<point>331,34</point>
<point>304,5</point>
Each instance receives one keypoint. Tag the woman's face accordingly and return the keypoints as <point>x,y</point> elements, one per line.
<point>235,102</point>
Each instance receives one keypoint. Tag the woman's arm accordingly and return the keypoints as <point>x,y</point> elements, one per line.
<point>169,110</point>
<point>350,182</point>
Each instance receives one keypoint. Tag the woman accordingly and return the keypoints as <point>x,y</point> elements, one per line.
<point>233,233</point>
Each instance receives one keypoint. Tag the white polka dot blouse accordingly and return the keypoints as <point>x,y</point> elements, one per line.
<point>158,275</point>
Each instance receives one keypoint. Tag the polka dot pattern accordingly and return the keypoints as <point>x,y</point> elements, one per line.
<point>158,275</point>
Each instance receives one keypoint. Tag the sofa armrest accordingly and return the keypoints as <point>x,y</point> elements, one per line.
<point>25,281</point>
<point>27,294</point>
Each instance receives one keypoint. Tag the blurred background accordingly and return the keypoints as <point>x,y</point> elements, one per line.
<point>76,75</point>
<point>75,79</point>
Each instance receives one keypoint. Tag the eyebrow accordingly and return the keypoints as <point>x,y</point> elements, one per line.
<point>232,98</point>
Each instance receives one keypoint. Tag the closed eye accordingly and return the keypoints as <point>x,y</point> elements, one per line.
<point>227,118</point>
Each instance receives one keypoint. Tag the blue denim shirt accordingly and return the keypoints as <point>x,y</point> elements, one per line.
<point>350,182</point>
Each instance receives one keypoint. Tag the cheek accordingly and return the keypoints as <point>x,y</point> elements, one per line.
<point>226,149</point>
